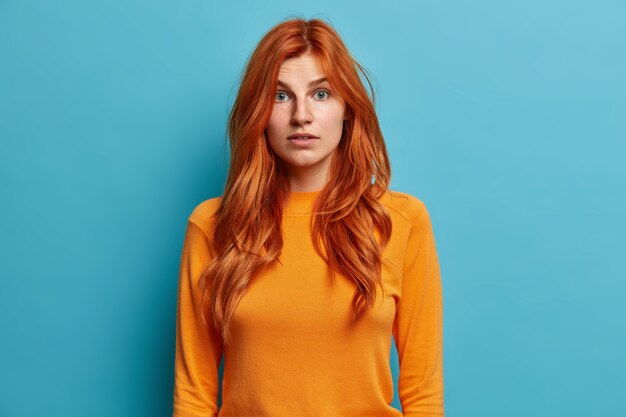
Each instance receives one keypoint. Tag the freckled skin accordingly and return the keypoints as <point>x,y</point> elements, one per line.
<point>317,110</point>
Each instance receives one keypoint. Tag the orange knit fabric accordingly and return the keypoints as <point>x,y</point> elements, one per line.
<point>293,352</point>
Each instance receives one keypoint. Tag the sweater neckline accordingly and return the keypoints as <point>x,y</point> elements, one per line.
<point>301,202</point>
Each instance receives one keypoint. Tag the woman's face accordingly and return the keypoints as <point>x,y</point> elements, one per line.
<point>302,105</point>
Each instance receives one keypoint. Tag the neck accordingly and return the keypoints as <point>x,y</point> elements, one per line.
<point>309,178</point>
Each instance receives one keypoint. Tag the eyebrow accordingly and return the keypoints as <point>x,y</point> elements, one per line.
<point>311,84</point>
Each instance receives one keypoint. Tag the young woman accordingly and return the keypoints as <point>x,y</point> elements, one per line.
<point>308,264</point>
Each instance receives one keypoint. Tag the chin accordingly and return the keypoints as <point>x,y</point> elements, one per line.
<point>303,162</point>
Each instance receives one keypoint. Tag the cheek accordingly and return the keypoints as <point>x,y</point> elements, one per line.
<point>277,122</point>
<point>331,117</point>
<point>276,128</point>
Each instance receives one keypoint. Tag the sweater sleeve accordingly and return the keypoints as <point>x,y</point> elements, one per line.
<point>417,329</point>
<point>198,348</point>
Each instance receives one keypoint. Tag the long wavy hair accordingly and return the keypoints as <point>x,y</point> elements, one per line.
<point>247,234</point>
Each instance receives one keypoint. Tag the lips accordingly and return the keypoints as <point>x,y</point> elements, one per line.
<point>302,135</point>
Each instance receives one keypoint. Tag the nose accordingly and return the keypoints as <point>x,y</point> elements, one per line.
<point>302,113</point>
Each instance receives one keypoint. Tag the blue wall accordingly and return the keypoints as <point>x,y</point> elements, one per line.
<point>506,118</point>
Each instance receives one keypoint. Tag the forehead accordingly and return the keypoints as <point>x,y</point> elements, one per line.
<point>304,67</point>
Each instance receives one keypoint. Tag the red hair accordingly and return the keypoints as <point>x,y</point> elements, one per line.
<point>247,235</point>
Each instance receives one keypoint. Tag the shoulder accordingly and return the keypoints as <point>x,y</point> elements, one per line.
<point>403,204</point>
<point>203,213</point>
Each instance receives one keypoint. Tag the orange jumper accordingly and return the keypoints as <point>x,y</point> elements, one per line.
<point>294,353</point>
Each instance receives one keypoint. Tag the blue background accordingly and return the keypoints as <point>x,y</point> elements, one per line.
<point>507,118</point>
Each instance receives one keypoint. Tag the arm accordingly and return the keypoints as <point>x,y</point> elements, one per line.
<point>417,330</point>
<point>198,348</point>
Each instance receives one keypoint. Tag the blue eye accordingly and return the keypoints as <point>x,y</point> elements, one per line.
<point>323,91</point>
<point>282,93</point>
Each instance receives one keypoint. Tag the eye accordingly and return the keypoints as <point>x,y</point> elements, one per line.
<point>323,91</point>
<point>281,96</point>
<point>280,93</point>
